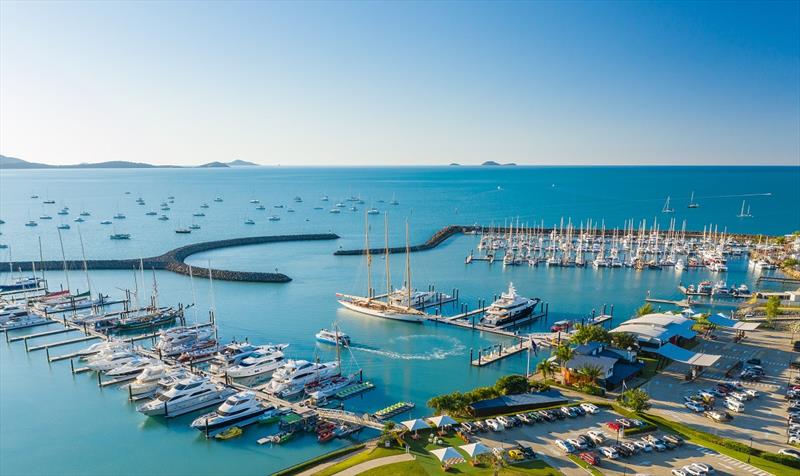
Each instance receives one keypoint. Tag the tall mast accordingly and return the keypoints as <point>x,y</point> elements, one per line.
<point>408,268</point>
<point>85,266</point>
<point>386,254</point>
<point>41,260</point>
<point>369,257</point>
<point>63,258</point>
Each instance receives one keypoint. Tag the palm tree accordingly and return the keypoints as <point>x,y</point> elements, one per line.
<point>545,369</point>
<point>646,309</point>
<point>590,373</point>
<point>623,340</point>
<point>564,354</point>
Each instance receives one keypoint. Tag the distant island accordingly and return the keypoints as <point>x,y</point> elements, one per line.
<point>15,163</point>
<point>493,163</point>
<point>454,164</point>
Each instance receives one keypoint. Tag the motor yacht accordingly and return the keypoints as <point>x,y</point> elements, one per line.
<point>21,322</point>
<point>132,368</point>
<point>332,337</point>
<point>509,308</point>
<point>240,409</point>
<point>104,346</point>
<point>156,377</point>
<point>324,389</point>
<point>178,340</point>
<point>265,360</point>
<point>295,374</point>
<point>419,299</point>
<point>186,396</point>
<point>230,355</point>
<point>107,361</point>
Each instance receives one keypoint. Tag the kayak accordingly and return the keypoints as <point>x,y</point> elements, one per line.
<point>231,432</point>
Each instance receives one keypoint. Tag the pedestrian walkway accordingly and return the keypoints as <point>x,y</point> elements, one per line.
<point>735,462</point>
<point>375,463</point>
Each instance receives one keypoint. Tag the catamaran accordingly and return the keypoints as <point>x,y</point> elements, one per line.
<point>692,203</point>
<point>743,213</point>
<point>667,208</point>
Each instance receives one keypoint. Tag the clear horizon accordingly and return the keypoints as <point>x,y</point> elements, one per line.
<point>360,84</point>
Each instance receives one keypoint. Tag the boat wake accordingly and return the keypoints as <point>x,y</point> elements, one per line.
<point>440,348</point>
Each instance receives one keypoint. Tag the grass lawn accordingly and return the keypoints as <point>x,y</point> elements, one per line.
<point>583,464</point>
<point>427,464</point>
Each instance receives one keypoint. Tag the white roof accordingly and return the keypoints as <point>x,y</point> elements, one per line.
<point>475,449</point>
<point>448,455</point>
<point>440,421</point>
<point>416,424</point>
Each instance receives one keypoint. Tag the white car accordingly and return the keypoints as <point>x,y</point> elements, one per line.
<point>609,453</point>
<point>691,471</point>
<point>504,421</point>
<point>741,396</point>
<point>564,446</point>
<point>679,472</point>
<point>790,452</point>
<point>577,444</point>
<point>644,446</point>
<point>495,425</point>
<point>597,436</point>
<point>695,407</point>
<point>630,446</point>
<point>590,408</point>
<point>752,392</point>
<point>703,467</point>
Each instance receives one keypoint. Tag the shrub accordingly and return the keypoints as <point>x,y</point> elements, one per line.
<point>781,459</point>
<point>593,390</point>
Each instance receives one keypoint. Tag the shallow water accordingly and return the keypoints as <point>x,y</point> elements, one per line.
<point>54,423</point>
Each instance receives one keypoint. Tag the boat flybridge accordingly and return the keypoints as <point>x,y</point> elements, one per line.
<point>240,409</point>
<point>186,396</point>
<point>292,377</point>
<point>265,360</point>
<point>398,310</point>
<point>509,308</point>
<point>333,337</point>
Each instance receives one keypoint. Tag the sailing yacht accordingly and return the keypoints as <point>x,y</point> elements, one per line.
<point>384,309</point>
<point>743,213</point>
<point>667,208</point>
<point>692,203</point>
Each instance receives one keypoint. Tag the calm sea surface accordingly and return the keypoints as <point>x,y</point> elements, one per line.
<point>54,423</point>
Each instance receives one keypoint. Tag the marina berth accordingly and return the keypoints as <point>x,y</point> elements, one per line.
<point>508,308</point>
<point>188,395</point>
<point>262,361</point>
<point>294,375</point>
<point>240,409</point>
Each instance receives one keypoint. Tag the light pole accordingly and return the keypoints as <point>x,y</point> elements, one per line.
<point>750,450</point>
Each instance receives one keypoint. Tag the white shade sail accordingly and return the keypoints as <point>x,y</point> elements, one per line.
<point>416,424</point>
<point>475,449</point>
<point>448,455</point>
<point>440,421</point>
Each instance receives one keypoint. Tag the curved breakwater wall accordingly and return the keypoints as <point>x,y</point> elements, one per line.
<point>173,260</point>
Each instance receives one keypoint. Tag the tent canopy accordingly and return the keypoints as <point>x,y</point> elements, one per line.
<point>475,449</point>
<point>680,354</point>
<point>722,321</point>
<point>443,420</point>
<point>416,424</point>
<point>448,455</point>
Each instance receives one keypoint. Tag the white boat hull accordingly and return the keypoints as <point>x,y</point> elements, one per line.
<point>396,316</point>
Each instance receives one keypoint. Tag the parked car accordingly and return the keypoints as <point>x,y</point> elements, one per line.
<point>564,446</point>
<point>597,436</point>
<point>590,408</point>
<point>585,439</point>
<point>630,446</point>
<point>516,455</point>
<point>695,407</point>
<point>704,468</point>
<point>691,471</point>
<point>590,458</point>
<point>495,425</point>
<point>625,423</point>
<point>568,412</point>
<point>790,452</point>
<point>718,416</point>
<point>528,452</point>
<point>545,415</point>
<point>580,411</point>
<point>643,446</point>
<point>609,453</point>
<point>733,405</point>
<point>625,452</point>
<point>524,418</point>
<point>535,417</point>
<point>679,472</point>
<point>513,421</point>
<point>675,439</point>
<point>468,427</point>
<point>505,421</point>
<point>577,443</point>
<point>612,425</point>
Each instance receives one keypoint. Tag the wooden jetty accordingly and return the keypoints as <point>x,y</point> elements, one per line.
<point>42,334</point>
<point>529,341</point>
<point>777,279</point>
<point>680,303</point>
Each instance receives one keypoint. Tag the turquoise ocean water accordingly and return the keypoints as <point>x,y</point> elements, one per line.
<point>54,423</point>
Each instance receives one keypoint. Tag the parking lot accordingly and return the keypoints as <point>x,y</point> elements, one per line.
<point>541,436</point>
<point>764,417</point>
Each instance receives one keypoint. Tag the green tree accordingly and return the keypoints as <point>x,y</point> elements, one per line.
<point>511,385</point>
<point>564,354</point>
<point>590,373</point>
<point>545,369</point>
<point>646,309</point>
<point>589,333</point>
<point>773,309</point>
<point>789,262</point>
<point>636,399</point>
<point>623,340</point>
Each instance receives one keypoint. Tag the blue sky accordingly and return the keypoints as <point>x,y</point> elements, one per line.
<point>333,83</point>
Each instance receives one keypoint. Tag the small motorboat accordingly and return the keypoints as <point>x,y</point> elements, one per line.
<point>231,432</point>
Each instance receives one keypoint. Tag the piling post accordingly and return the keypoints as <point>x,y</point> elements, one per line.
<point>361,375</point>
<point>206,427</point>
<point>99,379</point>
<point>470,354</point>
<point>479,357</point>
<point>604,309</point>
<point>72,366</point>
<point>6,333</point>
<point>26,343</point>
<point>130,392</point>
<point>47,354</point>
